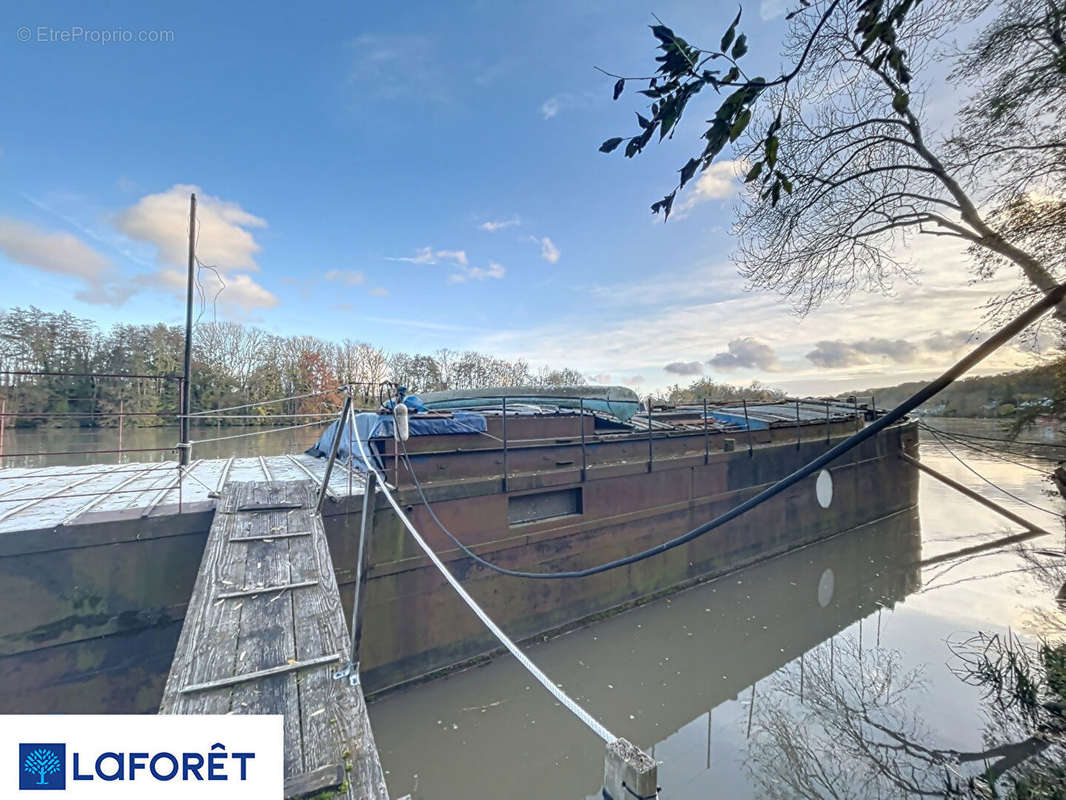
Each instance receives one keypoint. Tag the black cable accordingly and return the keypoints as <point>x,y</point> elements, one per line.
<point>990,345</point>
<point>984,450</point>
<point>994,485</point>
<point>1017,442</point>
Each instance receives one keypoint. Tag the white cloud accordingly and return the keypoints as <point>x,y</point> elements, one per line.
<point>837,353</point>
<point>224,239</point>
<point>396,67</point>
<point>458,256</point>
<point>772,9</point>
<point>601,378</point>
<point>565,101</point>
<point>427,255</point>
<point>684,368</point>
<point>638,325</point>
<point>379,291</point>
<point>349,277</point>
<point>746,353</point>
<point>466,273</point>
<point>717,182</point>
<point>548,251</point>
<point>51,251</point>
<point>498,225</point>
<point>240,291</point>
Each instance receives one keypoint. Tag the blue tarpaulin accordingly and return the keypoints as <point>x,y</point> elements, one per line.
<point>369,425</point>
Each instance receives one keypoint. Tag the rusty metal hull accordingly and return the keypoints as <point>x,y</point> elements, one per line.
<point>415,626</point>
<point>94,610</point>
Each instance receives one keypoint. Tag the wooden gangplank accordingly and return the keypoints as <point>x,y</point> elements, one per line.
<point>265,634</point>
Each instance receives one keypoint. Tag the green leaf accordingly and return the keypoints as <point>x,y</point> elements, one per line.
<point>771,151</point>
<point>741,47</point>
<point>786,183</point>
<point>689,170</point>
<point>644,123</point>
<point>753,173</point>
<point>618,87</point>
<point>662,33</point>
<point>610,144</point>
<point>900,102</point>
<point>732,75</point>
<point>775,193</point>
<point>727,38</point>
<point>668,203</point>
<point>740,124</point>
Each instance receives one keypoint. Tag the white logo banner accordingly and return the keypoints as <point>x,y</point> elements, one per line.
<point>126,756</point>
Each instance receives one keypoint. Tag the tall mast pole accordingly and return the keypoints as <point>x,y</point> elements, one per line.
<point>186,384</point>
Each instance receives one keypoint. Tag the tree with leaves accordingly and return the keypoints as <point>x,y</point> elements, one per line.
<point>42,762</point>
<point>839,168</point>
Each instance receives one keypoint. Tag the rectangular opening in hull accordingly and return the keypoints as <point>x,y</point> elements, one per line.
<point>543,505</point>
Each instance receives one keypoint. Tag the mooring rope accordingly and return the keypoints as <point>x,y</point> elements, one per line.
<point>533,669</point>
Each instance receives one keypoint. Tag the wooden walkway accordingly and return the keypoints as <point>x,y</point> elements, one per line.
<point>265,633</point>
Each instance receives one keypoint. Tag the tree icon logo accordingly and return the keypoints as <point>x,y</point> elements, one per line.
<point>42,766</point>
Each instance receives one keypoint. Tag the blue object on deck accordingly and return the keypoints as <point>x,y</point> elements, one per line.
<point>369,425</point>
<point>738,419</point>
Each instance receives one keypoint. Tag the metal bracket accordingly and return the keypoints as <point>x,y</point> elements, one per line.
<point>350,671</point>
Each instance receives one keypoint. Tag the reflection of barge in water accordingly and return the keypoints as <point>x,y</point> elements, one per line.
<point>652,672</point>
<point>98,594</point>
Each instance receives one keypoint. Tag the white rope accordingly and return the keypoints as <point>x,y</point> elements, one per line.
<point>545,681</point>
<point>262,403</point>
<point>260,433</point>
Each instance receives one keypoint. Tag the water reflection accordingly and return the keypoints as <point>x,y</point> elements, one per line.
<point>825,673</point>
<point>647,673</point>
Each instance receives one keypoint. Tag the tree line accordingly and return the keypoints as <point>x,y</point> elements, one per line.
<point>233,364</point>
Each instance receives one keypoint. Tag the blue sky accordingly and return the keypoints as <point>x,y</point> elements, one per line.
<point>415,176</point>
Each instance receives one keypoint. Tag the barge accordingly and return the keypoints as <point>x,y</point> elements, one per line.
<point>99,562</point>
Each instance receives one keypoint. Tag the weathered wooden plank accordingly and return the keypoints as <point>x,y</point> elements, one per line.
<point>265,633</point>
<point>207,647</point>
<point>309,783</point>
<point>336,727</point>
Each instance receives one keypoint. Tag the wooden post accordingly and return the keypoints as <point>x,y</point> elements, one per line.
<point>3,419</point>
<point>827,422</point>
<point>629,773</point>
<point>366,528</point>
<point>121,408</point>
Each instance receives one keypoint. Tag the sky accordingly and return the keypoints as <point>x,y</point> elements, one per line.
<point>418,176</point>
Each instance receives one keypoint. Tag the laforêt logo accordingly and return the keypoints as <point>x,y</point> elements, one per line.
<point>42,766</point>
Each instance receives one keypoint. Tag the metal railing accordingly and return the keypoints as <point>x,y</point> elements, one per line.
<point>506,406</point>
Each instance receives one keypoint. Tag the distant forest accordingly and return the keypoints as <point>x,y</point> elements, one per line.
<point>1020,395</point>
<point>233,364</point>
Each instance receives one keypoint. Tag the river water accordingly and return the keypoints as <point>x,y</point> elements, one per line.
<point>29,447</point>
<point>838,670</point>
